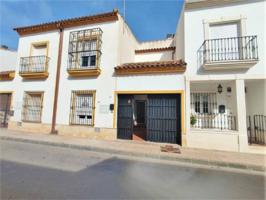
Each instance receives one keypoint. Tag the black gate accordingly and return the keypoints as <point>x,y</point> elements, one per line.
<point>5,101</point>
<point>125,117</point>
<point>256,126</point>
<point>163,118</point>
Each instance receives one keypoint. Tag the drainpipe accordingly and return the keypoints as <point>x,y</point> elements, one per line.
<point>61,31</point>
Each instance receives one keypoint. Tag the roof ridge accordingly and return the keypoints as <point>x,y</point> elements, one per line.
<point>70,22</point>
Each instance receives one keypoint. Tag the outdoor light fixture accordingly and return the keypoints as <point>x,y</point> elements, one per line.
<point>229,89</point>
<point>220,89</point>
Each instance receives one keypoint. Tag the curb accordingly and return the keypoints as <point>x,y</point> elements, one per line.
<point>160,156</point>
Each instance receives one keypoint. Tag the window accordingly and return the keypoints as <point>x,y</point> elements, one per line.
<point>32,106</point>
<point>88,61</point>
<point>203,102</point>
<point>82,107</point>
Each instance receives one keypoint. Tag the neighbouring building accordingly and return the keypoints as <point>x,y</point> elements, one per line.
<point>8,62</point>
<point>223,43</point>
<point>202,87</point>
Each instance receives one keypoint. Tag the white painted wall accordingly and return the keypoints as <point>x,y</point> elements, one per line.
<point>150,82</point>
<point>104,84</point>
<point>127,43</point>
<point>154,56</point>
<point>255,97</point>
<point>180,37</point>
<point>168,42</point>
<point>8,59</point>
<point>19,86</point>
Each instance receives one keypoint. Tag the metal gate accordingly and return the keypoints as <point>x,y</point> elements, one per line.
<point>5,102</point>
<point>256,126</point>
<point>125,117</point>
<point>163,118</point>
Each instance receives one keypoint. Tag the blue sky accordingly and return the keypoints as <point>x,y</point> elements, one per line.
<point>148,19</point>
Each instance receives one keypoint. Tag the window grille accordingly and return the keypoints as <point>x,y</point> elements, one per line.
<point>204,109</point>
<point>84,49</point>
<point>203,102</point>
<point>82,107</point>
<point>32,106</point>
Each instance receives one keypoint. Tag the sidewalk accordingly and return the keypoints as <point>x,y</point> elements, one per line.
<point>246,161</point>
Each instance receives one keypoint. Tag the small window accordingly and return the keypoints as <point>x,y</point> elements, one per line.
<point>88,61</point>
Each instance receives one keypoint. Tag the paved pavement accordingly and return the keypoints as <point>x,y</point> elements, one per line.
<point>36,171</point>
<point>145,150</point>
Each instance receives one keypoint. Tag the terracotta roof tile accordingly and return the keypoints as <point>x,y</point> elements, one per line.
<point>152,67</point>
<point>66,23</point>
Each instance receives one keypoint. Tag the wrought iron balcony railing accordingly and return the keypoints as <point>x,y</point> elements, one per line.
<point>214,121</point>
<point>230,49</point>
<point>34,64</point>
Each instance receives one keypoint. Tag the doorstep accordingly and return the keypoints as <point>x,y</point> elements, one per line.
<point>254,162</point>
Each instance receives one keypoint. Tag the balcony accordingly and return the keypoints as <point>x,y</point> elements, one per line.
<point>84,52</point>
<point>229,53</point>
<point>84,63</point>
<point>34,67</point>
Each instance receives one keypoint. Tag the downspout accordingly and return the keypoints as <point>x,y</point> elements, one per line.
<point>57,80</point>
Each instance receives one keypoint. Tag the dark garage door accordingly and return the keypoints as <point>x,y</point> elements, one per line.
<point>125,117</point>
<point>163,118</point>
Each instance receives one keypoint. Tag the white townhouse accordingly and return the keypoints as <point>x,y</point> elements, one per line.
<point>90,76</point>
<point>223,43</point>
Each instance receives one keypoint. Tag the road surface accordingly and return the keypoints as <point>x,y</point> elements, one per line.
<point>35,171</point>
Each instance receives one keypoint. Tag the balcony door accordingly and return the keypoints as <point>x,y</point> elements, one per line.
<point>224,43</point>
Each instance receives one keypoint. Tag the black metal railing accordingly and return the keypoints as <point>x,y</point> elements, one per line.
<point>214,121</point>
<point>256,127</point>
<point>229,49</point>
<point>76,62</point>
<point>34,64</point>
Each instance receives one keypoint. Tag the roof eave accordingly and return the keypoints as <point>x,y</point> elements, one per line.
<point>61,24</point>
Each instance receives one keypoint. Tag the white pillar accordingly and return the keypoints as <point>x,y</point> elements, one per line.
<point>241,115</point>
<point>187,109</point>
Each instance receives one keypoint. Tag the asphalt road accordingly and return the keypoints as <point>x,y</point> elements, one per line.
<point>32,171</point>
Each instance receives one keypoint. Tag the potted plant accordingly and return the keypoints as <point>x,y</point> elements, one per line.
<point>193,120</point>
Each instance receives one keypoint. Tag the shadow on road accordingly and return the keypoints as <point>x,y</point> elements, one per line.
<point>114,178</point>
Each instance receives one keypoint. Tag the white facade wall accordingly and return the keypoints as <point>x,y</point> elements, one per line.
<point>19,86</point>
<point>127,43</point>
<point>154,56</point>
<point>168,42</point>
<point>103,84</point>
<point>150,82</point>
<point>8,59</point>
<point>256,97</point>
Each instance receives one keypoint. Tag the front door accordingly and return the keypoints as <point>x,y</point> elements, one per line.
<point>5,102</point>
<point>125,117</point>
